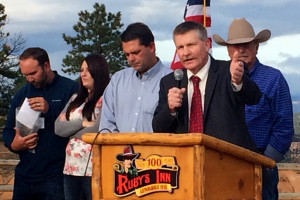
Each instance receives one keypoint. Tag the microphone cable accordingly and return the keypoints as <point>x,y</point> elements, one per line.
<point>87,164</point>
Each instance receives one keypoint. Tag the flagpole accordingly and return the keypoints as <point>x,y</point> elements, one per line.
<point>204,13</point>
<point>193,12</point>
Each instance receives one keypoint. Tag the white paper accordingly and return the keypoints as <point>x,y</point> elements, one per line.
<point>26,115</point>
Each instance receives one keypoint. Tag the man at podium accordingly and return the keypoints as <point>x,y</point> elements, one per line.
<point>131,96</point>
<point>216,106</point>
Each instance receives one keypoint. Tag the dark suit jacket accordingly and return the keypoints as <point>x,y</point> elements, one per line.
<point>224,109</point>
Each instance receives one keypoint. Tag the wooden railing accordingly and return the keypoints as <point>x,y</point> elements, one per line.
<point>289,178</point>
<point>9,162</point>
<point>6,187</point>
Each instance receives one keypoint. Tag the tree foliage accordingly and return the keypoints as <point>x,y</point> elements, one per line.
<point>97,32</point>
<point>10,76</point>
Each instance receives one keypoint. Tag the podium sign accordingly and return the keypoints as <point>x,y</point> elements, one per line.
<point>173,167</point>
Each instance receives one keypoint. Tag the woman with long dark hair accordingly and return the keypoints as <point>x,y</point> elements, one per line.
<point>82,115</point>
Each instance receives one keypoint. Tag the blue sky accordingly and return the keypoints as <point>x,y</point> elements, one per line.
<point>42,23</point>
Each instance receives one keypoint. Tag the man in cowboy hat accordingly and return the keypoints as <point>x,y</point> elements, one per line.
<point>270,122</point>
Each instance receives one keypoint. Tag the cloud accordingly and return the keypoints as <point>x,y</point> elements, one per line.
<point>282,52</point>
<point>160,16</point>
<point>261,2</point>
<point>42,23</point>
<point>42,16</point>
<point>165,50</point>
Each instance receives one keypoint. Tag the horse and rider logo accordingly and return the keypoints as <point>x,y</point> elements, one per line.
<point>144,176</point>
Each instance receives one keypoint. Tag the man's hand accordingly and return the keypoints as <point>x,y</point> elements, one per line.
<point>175,96</point>
<point>22,143</point>
<point>38,104</point>
<point>236,69</point>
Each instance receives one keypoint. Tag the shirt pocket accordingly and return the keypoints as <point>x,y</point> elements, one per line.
<point>150,102</point>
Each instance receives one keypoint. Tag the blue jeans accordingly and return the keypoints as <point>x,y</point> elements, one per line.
<point>50,188</point>
<point>269,183</point>
<point>77,187</point>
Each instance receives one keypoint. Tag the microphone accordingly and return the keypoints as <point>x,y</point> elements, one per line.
<point>178,75</point>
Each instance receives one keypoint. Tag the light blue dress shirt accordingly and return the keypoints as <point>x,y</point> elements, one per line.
<point>129,101</point>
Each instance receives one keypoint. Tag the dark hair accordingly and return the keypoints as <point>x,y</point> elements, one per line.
<point>98,69</point>
<point>139,31</point>
<point>36,53</point>
<point>187,26</point>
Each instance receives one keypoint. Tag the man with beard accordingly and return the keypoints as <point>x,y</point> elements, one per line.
<point>270,122</point>
<point>131,96</point>
<point>39,175</point>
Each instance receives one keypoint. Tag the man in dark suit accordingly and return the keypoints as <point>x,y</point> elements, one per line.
<point>225,89</point>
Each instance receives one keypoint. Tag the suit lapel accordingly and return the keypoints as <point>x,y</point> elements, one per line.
<point>185,106</point>
<point>210,85</point>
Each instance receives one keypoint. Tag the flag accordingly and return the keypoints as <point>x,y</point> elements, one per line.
<point>198,11</point>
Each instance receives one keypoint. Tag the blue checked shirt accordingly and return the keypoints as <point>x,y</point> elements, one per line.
<point>270,122</point>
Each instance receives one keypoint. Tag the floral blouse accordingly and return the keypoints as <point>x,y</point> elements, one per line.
<point>78,160</point>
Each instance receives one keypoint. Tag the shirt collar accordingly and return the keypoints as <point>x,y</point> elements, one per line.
<point>54,79</point>
<point>152,71</point>
<point>203,73</point>
<point>255,66</point>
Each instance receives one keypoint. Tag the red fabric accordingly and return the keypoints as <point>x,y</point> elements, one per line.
<point>196,114</point>
<point>194,12</point>
<point>199,19</point>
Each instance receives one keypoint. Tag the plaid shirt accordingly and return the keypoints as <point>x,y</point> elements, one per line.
<point>270,122</point>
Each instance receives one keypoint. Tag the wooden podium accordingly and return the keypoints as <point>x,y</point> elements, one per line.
<point>206,168</point>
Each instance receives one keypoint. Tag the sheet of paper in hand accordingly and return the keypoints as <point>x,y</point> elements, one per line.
<point>27,120</point>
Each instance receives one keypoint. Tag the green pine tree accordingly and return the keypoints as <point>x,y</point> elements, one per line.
<point>10,76</point>
<point>97,32</point>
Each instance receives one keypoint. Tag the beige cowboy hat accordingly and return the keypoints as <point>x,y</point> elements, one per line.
<point>241,31</point>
